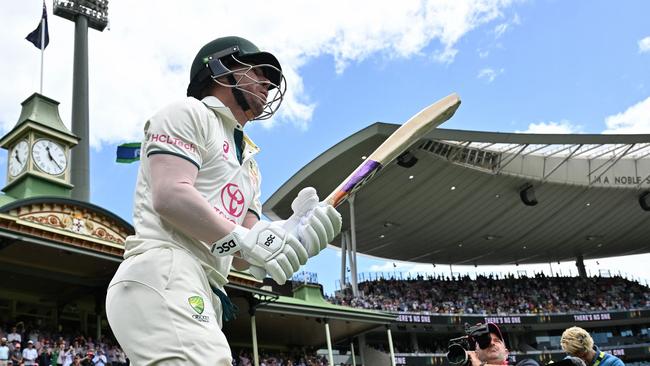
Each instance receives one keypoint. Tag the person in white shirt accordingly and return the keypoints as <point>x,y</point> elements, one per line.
<point>68,356</point>
<point>197,213</point>
<point>100,359</point>
<point>121,357</point>
<point>30,354</point>
<point>4,352</point>
<point>14,336</point>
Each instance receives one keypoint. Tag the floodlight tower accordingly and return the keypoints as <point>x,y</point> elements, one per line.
<point>93,14</point>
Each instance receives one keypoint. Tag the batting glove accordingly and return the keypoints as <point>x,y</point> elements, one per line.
<point>266,245</point>
<point>318,228</point>
<point>314,224</point>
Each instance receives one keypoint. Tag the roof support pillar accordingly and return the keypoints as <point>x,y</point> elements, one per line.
<point>354,360</point>
<point>256,356</point>
<point>390,346</point>
<point>329,342</point>
<point>580,263</point>
<point>362,348</point>
<point>414,342</point>
<point>353,249</point>
<point>344,247</point>
<point>99,326</point>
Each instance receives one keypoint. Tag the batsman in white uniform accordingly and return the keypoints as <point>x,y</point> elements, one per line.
<point>197,213</point>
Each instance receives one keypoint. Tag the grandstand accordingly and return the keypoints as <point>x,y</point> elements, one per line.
<point>482,198</point>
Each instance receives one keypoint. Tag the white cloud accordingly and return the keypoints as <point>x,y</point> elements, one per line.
<point>635,119</point>
<point>500,29</point>
<point>562,127</point>
<point>644,45</point>
<point>142,62</point>
<point>489,74</point>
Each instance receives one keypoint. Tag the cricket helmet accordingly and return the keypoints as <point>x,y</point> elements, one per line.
<point>232,57</point>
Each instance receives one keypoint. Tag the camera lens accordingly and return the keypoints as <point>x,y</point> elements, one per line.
<point>456,354</point>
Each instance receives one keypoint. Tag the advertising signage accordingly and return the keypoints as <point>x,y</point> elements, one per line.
<point>455,319</point>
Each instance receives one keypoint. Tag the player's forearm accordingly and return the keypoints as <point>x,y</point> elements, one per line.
<point>184,207</point>
<point>177,201</point>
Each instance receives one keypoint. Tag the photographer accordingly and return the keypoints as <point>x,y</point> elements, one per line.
<point>485,346</point>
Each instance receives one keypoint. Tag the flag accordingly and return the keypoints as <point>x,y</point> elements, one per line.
<point>128,153</point>
<point>35,36</point>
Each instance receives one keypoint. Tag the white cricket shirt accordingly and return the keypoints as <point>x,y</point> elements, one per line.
<point>202,133</point>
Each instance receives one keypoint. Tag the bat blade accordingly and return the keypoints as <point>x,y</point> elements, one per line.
<point>406,135</point>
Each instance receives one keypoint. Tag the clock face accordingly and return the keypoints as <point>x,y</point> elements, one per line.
<point>18,158</point>
<point>49,157</point>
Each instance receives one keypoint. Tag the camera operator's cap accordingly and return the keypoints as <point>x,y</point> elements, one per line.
<point>495,329</point>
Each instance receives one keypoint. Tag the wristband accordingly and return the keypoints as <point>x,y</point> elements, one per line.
<point>230,243</point>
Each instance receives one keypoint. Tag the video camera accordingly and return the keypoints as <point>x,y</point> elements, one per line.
<point>458,347</point>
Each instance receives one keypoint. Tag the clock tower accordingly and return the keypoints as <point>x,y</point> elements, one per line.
<point>38,159</point>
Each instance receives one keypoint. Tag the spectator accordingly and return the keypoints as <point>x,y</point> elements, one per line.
<point>78,349</point>
<point>60,353</point>
<point>76,361</point>
<point>14,336</point>
<point>29,354</point>
<point>121,357</point>
<point>45,358</point>
<point>111,355</point>
<point>100,358</point>
<point>4,352</point>
<point>16,354</point>
<point>577,342</point>
<point>54,356</point>
<point>244,359</point>
<point>68,356</point>
<point>88,360</point>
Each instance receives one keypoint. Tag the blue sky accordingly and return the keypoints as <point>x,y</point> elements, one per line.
<point>536,66</point>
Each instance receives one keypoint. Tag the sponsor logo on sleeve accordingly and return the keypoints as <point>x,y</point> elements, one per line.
<point>170,140</point>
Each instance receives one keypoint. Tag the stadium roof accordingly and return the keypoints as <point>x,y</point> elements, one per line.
<point>462,202</point>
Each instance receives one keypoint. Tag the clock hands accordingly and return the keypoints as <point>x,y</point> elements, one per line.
<point>49,155</point>
<point>17,157</point>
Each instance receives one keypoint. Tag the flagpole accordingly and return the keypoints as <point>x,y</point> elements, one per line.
<point>42,49</point>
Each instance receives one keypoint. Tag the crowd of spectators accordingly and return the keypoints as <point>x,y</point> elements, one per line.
<point>498,295</point>
<point>27,345</point>
<point>269,358</point>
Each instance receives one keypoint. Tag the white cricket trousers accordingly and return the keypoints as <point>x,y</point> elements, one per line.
<point>162,311</point>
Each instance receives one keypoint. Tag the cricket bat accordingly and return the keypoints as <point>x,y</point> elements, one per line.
<point>405,136</point>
